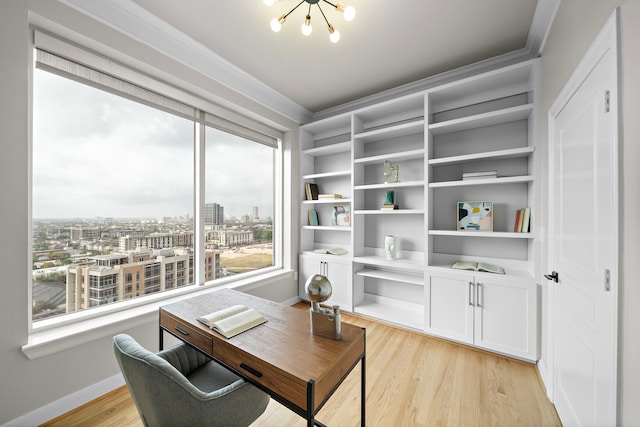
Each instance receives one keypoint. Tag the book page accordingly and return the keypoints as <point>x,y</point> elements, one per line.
<point>490,268</point>
<point>239,322</point>
<point>210,319</point>
<point>464,265</point>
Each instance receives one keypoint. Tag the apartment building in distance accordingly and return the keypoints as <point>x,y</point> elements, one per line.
<point>123,275</point>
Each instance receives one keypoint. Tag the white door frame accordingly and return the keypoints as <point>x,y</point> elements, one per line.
<point>607,40</point>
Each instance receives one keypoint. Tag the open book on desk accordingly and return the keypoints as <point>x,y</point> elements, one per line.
<point>233,320</point>
<point>477,266</point>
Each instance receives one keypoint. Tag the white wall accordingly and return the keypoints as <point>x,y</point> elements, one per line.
<point>26,385</point>
<point>575,26</point>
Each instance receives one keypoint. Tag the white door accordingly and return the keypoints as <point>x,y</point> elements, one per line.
<point>583,240</point>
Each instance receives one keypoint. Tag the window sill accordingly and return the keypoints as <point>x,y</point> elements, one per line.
<point>53,338</point>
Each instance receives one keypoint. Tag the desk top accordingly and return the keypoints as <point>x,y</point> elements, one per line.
<point>281,354</point>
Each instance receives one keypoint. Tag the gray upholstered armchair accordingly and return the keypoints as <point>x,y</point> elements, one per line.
<point>182,387</point>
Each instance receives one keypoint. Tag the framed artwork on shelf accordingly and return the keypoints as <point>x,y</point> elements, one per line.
<point>341,215</point>
<point>475,216</point>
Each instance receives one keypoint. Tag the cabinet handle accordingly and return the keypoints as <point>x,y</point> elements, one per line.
<point>324,268</point>
<point>479,294</point>
<point>470,294</point>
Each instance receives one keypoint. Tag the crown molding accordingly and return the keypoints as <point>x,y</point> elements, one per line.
<point>541,25</point>
<point>132,20</point>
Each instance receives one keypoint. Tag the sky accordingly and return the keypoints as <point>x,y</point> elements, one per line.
<point>97,154</point>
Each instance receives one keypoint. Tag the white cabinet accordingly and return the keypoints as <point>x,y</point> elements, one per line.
<point>481,123</point>
<point>488,311</point>
<point>339,272</point>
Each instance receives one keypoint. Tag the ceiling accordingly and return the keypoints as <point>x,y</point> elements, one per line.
<point>388,44</point>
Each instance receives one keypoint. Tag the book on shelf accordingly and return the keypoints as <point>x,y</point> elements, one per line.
<point>313,218</point>
<point>329,196</point>
<point>233,320</point>
<point>477,266</point>
<point>331,251</point>
<point>311,191</point>
<point>479,175</point>
<point>526,220</point>
<point>523,220</point>
<point>390,207</point>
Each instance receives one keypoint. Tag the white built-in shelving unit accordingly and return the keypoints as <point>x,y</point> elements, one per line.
<point>481,123</point>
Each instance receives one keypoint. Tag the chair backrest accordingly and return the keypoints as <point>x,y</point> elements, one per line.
<point>165,397</point>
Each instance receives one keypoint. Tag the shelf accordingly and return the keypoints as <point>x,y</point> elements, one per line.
<point>341,147</point>
<point>327,174</point>
<point>394,131</point>
<point>380,261</point>
<point>405,155</point>
<point>510,273</point>
<point>506,115</point>
<point>492,155</point>
<point>390,212</point>
<point>327,227</point>
<point>491,234</point>
<point>326,201</point>
<point>389,185</point>
<point>394,276</point>
<point>489,181</point>
<point>394,311</point>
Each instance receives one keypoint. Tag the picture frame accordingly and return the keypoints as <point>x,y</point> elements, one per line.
<point>474,216</point>
<point>341,215</point>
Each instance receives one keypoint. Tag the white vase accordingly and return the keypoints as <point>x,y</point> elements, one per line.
<point>391,247</point>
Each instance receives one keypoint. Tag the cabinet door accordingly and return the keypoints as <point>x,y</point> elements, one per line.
<point>339,272</point>
<point>449,307</point>
<point>506,316</point>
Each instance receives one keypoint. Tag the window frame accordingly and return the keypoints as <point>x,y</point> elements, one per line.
<point>207,113</point>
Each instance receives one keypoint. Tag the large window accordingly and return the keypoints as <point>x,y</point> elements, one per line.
<point>114,179</point>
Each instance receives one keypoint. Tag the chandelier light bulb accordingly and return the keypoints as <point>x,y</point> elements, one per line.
<point>349,13</point>
<point>268,2</point>
<point>334,36</point>
<point>306,26</point>
<point>276,24</point>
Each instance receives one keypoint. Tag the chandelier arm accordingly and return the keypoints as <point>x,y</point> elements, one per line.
<point>297,6</point>
<point>323,15</point>
<point>330,3</point>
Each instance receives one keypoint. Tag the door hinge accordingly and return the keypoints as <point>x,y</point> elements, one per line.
<point>607,280</point>
<point>607,101</point>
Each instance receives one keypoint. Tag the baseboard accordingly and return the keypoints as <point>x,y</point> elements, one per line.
<point>67,403</point>
<point>543,373</point>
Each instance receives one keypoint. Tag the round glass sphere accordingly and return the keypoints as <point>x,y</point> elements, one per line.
<point>318,288</point>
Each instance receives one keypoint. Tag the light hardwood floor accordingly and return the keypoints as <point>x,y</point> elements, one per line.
<point>412,380</point>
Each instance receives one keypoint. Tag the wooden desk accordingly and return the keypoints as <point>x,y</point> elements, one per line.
<point>281,356</point>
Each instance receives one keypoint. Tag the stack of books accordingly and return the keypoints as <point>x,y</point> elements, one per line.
<point>311,191</point>
<point>479,175</point>
<point>329,196</point>
<point>313,218</point>
<point>523,221</point>
<point>389,207</point>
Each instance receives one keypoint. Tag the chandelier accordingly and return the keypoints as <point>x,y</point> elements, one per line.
<point>349,13</point>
